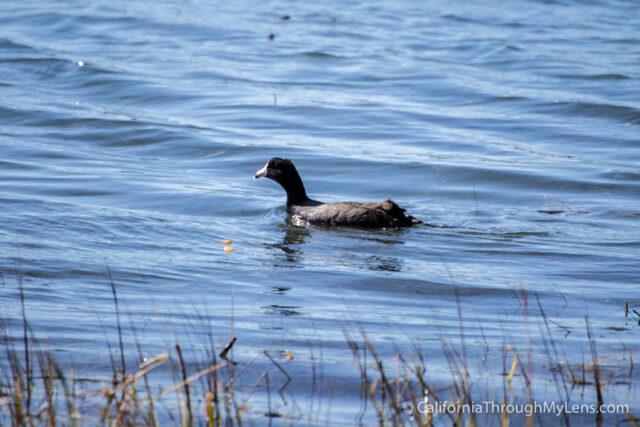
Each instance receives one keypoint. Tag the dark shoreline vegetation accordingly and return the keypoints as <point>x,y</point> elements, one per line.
<point>208,387</point>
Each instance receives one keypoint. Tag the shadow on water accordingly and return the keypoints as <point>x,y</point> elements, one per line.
<point>294,237</point>
<point>344,247</point>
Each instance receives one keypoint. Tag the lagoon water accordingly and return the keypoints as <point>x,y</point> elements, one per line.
<point>130,131</point>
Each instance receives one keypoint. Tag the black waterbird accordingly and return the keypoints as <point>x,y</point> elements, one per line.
<point>377,214</point>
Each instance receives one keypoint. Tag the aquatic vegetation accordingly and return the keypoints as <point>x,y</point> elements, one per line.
<point>217,390</point>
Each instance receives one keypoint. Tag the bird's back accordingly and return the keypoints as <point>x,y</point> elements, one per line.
<point>378,214</point>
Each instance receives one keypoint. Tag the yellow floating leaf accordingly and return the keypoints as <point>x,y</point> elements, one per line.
<point>227,249</point>
<point>226,241</point>
<point>290,356</point>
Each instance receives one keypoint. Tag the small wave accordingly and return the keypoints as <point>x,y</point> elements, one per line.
<point>40,67</point>
<point>6,44</point>
<point>30,60</point>
<point>321,55</point>
<point>595,77</point>
<point>621,113</point>
<point>506,98</point>
<point>6,164</point>
<point>457,18</point>
<point>620,176</point>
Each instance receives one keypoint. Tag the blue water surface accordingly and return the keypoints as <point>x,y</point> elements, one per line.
<point>130,131</point>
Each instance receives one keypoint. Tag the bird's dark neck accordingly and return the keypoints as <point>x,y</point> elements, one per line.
<point>295,190</point>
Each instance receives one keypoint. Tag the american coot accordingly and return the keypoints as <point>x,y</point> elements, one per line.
<point>379,214</point>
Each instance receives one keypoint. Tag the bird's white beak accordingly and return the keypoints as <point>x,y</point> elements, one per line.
<point>262,172</point>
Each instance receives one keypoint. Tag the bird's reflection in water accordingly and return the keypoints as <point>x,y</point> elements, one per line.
<point>370,262</point>
<point>361,242</point>
<point>279,290</point>
<point>383,240</point>
<point>280,310</point>
<point>294,236</point>
<point>383,263</point>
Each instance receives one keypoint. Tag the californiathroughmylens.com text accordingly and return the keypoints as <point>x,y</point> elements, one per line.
<point>490,407</point>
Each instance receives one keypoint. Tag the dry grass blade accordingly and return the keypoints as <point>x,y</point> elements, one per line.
<point>596,371</point>
<point>190,379</point>
<point>183,370</point>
